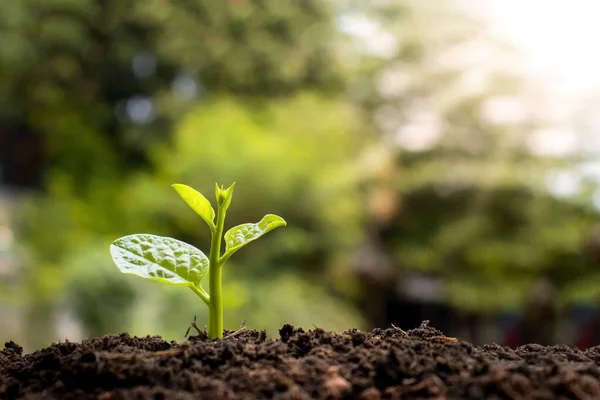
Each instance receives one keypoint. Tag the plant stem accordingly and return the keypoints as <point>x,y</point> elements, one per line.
<point>215,306</point>
<point>201,293</point>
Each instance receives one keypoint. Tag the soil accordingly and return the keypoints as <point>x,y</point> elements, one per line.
<point>382,364</point>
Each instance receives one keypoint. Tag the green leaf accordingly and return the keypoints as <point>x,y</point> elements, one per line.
<point>197,202</point>
<point>160,259</point>
<point>239,236</point>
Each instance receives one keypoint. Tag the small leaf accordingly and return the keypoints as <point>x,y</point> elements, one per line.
<point>160,259</point>
<point>197,202</point>
<point>241,235</point>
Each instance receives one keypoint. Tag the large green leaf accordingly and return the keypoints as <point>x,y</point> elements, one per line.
<point>160,259</point>
<point>197,202</point>
<point>239,236</point>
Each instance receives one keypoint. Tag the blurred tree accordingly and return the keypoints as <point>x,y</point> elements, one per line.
<point>80,78</point>
<point>459,186</point>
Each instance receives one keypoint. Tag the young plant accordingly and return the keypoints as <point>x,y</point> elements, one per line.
<point>174,262</point>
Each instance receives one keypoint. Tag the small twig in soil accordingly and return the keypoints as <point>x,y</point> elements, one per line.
<point>232,334</point>
<point>242,328</point>
<point>425,324</point>
<point>399,329</point>
<point>192,325</point>
<point>442,339</point>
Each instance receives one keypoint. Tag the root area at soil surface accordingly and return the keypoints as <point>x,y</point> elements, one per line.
<point>383,364</point>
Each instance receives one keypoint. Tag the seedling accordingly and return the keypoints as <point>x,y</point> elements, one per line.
<point>174,262</point>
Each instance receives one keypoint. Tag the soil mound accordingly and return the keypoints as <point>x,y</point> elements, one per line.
<point>382,364</point>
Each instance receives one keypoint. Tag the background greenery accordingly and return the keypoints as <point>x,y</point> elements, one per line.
<point>384,137</point>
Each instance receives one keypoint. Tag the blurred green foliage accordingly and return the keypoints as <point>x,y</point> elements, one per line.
<point>472,203</point>
<point>316,125</point>
<point>71,68</point>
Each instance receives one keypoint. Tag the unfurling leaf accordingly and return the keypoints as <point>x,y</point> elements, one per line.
<point>160,259</point>
<point>224,196</point>
<point>237,237</point>
<point>197,202</point>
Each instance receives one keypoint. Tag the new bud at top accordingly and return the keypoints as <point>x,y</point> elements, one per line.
<point>224,196</point>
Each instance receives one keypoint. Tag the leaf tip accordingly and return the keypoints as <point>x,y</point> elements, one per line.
<point>277,218</point>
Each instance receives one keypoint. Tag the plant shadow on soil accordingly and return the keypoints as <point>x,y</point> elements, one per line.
<point>383,364</point>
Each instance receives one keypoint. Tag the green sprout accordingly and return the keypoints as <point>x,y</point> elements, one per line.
<point>174,262</point>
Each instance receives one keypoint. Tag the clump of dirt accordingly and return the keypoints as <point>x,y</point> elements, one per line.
<point>316,364</point>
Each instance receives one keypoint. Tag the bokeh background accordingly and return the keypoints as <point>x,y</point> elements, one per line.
<point>435,160</point>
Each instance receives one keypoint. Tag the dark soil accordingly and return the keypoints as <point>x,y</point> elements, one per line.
<point>383,364</point>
